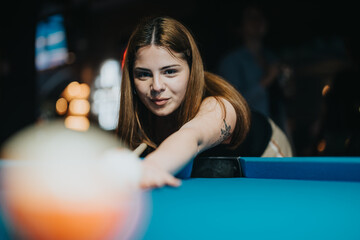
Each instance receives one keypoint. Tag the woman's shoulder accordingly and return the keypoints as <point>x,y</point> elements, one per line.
<point>215,101</point>
<point>224,111</point>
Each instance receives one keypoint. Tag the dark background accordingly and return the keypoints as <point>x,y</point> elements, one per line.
<point>316,39</point>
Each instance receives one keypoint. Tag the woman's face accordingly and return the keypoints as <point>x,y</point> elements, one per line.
<point>160,79</point>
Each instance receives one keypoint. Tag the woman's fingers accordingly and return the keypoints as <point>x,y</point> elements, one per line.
<point>172,181</point>
<point>153,177</point>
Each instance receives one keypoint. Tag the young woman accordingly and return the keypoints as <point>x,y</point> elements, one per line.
<point>170,103</point>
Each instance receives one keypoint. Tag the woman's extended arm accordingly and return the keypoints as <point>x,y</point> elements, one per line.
<point>211,126</point>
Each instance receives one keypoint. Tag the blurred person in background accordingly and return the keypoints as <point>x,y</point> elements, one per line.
<point>254,69</point>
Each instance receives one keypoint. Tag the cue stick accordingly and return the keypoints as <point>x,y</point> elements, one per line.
<point>140,149</point>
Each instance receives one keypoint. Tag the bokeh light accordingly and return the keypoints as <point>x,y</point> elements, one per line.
<point>79,107</point>
<point>109,74</point>
<point>84,91</point>
<point>325,90</point>
<point>71,91</point>
<point>76,104</point>
<point>61,106</point>
<point>78,123</point>
<point>105,98</point>
<point>321,146</point>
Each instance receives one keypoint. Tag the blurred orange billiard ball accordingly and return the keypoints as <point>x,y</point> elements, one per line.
<point>63,184</point>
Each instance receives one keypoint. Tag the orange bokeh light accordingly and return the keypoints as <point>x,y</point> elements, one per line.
<point>61,106</point>
<point>71,91</point>
<point>78,123</point>
<point>325,89</point>
<point>79,107</point>
<point>84,91</point>
<point>321,146</point>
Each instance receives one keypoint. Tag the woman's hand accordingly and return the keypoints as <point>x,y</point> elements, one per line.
<point>155,177</point>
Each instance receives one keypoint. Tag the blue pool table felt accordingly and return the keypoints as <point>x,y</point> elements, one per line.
<point>246,208</point>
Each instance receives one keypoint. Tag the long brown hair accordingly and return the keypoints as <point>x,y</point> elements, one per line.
<point>135,122</point>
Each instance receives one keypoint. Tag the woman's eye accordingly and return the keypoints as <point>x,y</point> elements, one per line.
<point>170,71</point>
<point>142,74</point>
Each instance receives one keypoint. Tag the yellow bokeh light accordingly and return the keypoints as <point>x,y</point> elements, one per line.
<point>79,107</point>
<point>61,106</point>
<point>77,123</point>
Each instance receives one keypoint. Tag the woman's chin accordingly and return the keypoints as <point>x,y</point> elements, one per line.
<point>162,112</point>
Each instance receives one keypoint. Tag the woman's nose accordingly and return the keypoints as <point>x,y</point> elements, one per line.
<point>158,84</point>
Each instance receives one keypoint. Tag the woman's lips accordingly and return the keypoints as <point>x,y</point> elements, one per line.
<point>160,101</point>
